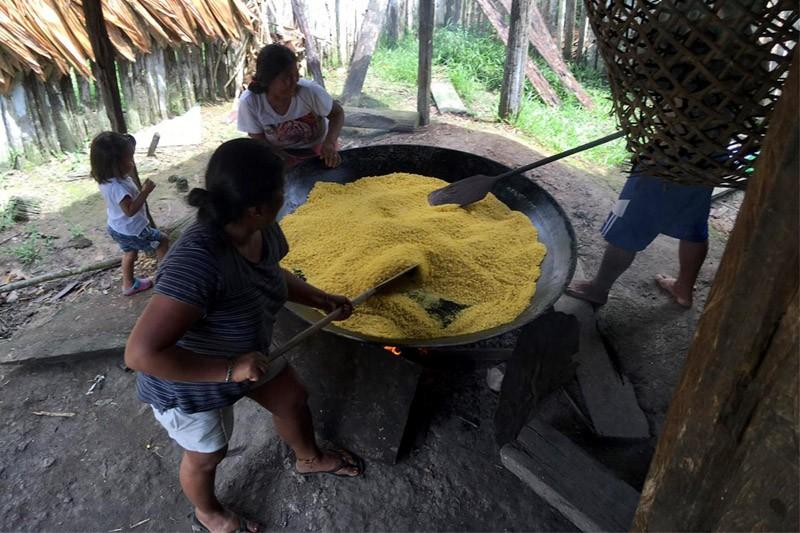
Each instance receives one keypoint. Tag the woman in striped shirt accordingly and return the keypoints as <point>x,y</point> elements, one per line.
<point>199,345</point>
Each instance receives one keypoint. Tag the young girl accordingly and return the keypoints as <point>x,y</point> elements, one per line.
<point>298,118</point>
<point>199,344</point>
<point>111,157</point>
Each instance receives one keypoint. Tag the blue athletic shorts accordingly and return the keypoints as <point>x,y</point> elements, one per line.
<point>149,239</point>
<point>649,206</point>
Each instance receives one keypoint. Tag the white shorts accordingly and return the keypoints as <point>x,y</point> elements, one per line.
<point>204,432</point>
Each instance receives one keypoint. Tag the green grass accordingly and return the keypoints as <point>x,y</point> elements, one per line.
<point>30,250</point>
<point>474,63</point>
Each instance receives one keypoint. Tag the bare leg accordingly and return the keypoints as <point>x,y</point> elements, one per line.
<point>286,398</point>
<point>161,251</point>
<point>197,474</point>
<point>128,260</point>
<point>615,262</point>
<point>690,256</point>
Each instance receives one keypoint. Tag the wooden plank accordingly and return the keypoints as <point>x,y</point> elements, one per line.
<point>727,456</point>
<point>104,58</point>
<point>381,119</point>
<point>426,13</point>
<point>533,74</point>
<point>542,40</point>
<point>609,397</point>
<point>516,58</point>
<point>563,475</point>
<point>312,57</point>
<point>365,46</point>
<point>541,363</point>
<point>446,98</point>
<point>569,28</point>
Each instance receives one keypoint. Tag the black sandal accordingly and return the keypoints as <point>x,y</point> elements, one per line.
<point>199,527</point>
<point>346,460</point>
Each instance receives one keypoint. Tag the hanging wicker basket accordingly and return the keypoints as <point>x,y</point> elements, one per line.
<point>694,83</point>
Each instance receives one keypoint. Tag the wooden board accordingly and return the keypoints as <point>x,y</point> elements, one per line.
<point>381,119</point>
<point>446,98</point>
<point>609,397</point>
<point>563,475</point>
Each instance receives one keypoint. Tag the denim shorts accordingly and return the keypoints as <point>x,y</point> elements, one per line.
<point>149,239</point>
<point>650,206</point>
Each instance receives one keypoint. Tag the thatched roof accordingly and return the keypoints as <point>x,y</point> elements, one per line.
<point>44,36</point>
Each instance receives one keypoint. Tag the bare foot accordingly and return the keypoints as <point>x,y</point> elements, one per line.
<point>338,463</point>
<point>586,291</point>
<point>667,284</point>
<point>222,523</point>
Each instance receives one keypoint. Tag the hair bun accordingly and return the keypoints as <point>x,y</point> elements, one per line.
<point>199,197</point>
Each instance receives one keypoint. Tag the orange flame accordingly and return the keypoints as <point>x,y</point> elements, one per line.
<point>394,350</point>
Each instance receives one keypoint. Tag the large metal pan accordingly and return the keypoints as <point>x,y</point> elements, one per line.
<point>518,193</point>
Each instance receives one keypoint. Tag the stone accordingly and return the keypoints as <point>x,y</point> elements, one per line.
<point>494,377</point>
<point>79,242</point>
<point>12,297</point>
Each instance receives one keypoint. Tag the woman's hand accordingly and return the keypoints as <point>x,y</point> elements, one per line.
<point>249,367</point>
<point>336,301</point>
<point>330,155</point>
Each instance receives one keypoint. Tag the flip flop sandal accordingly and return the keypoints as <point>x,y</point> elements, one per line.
<point>198,527</point>
<point>346,460</point>
<point>139,285</point>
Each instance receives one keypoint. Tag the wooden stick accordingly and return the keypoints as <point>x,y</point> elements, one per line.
<point>426,12</point>
<point>102,265</point>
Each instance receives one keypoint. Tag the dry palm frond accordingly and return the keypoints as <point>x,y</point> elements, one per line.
<point>221,10</point>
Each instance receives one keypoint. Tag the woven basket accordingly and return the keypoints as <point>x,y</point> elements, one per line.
<point>694,82</point>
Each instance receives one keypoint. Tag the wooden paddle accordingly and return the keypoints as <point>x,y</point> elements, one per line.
<point>475,188</point>
<point>330,317</point>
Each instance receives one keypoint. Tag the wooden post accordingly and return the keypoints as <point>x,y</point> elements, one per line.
<point>365,46</point>
<point>539,36</point>
<point>533,74</point>
<point>425,21</point>
<point>312,57</point>
<point>727,457</point>
<point>569,28</point>
<point>583,26</point>
<point>516,57</point>
<point>104,58</point>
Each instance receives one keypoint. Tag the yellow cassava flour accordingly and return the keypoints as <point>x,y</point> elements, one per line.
<point>479,264</point>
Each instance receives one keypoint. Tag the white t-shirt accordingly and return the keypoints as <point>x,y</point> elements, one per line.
<point>113,191</point>
<point>304,124</point>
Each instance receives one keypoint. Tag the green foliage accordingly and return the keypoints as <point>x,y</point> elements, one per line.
<point>75,231</point>
<point>6,217</point>
<point>474,63</point>
<point>30,250</point>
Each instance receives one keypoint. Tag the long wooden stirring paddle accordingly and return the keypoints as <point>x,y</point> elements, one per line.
<point>330,317</point>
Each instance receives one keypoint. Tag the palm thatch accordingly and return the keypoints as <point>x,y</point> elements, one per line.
<point>47,36</point>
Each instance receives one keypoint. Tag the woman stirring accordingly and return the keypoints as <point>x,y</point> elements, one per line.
<point>200,342</point>
<point>298,118</point>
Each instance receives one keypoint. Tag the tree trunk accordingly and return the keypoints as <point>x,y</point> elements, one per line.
<point>365,46</point>
<point>516,57</point>
<point>38,107</point>
<point>67,139</point>
<point>126,76</point>
<point>312,57</point>
<point>727,456</point>
<point>211,59</point>
<point>538,81</point>
<point>187,85</point>
<point>393,17</point>
<point>583,25</point>
<point>569,28</point>
<point>175,97</point>
<point>544,44</point>
<point>105,73</point>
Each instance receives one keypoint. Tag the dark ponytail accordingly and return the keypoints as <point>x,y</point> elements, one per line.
<point>241,173</point>
<point>272,61</point>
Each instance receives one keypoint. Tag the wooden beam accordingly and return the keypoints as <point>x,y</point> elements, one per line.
<point>727,456</point>
<point>104,58</point>
<point>516,57</point>
<point>426,14</point>
<point>538,81</point>
<point>542,40</point>
<point>365,46</point>
<point>312,57</point>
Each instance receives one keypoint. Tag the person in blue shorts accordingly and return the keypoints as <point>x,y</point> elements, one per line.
<point>647,207</point>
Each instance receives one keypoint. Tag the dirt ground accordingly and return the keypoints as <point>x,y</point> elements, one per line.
<point>111,468</point>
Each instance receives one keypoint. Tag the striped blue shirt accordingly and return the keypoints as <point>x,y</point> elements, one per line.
<point>239,301</point>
